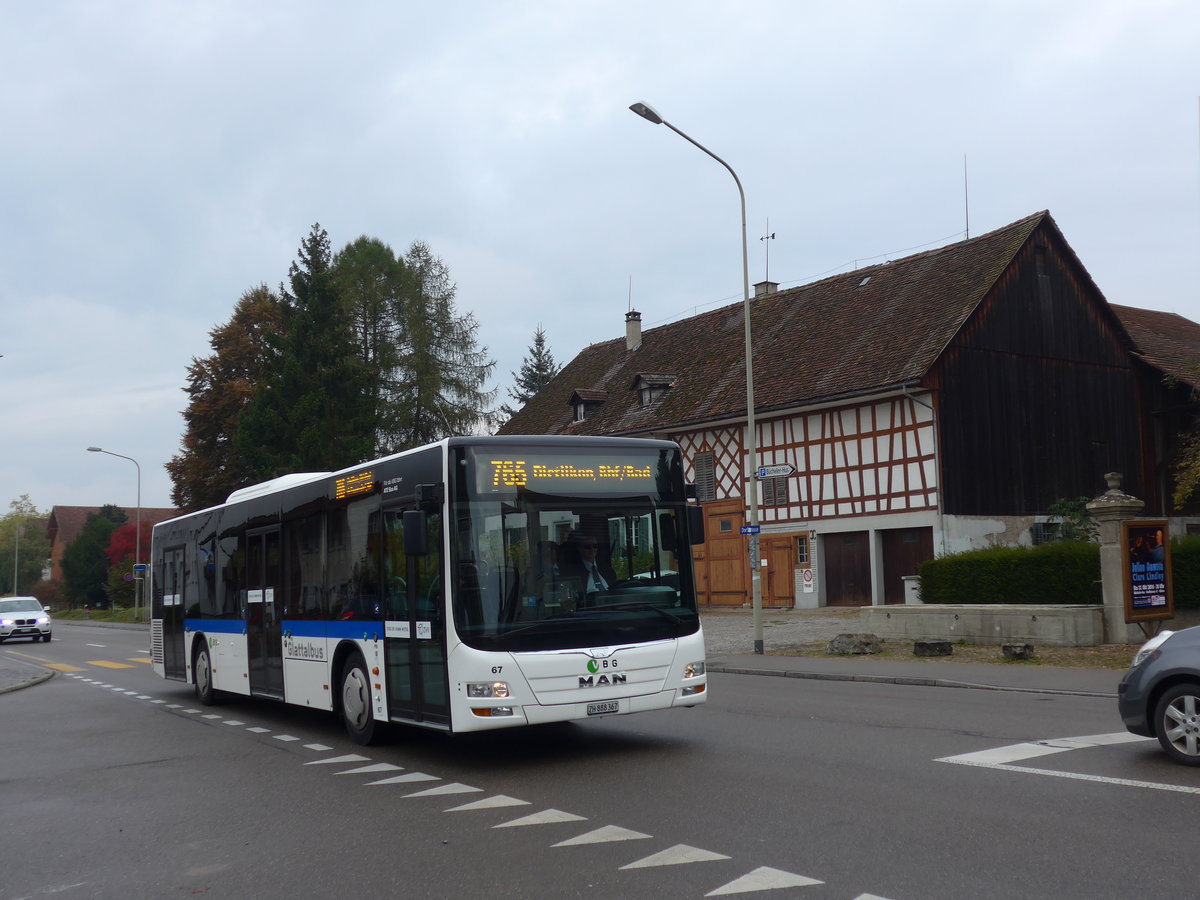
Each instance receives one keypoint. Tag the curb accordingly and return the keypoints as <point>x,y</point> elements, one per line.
<point>36,679</point>
<point>907,680</point>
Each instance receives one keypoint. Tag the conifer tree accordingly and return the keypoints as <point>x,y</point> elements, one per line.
<point>440,392</point>
<point>315,412</point>
<point>538,368</point>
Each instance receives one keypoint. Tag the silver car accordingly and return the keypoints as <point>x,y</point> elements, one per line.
<point>24,617</point>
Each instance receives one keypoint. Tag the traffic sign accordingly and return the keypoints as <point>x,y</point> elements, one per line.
<point>775,471</point>
<point>751,529</point>
<point>141,567</point>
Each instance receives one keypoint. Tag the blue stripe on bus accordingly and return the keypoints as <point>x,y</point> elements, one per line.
<point>216,626</point>
<point>311,628</point>
<point>351,628</point>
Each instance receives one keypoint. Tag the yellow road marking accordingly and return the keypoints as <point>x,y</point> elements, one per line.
<point>64,667</point>
<point>104,663</point>
<point>141,659</point>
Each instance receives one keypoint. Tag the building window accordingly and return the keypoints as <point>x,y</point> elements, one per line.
<point>580,412</point>
<point>775,491</point>
<point>1044,532</point>
<point>802,551</point>
<point>705,465</point>
<point>651,387</point>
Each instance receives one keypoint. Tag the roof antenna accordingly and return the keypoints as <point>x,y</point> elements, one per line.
<point>966,200</point>
<point>630,294</point>
<point>767,268</point>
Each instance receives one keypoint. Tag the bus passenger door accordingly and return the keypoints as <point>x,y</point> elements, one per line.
<point>264,600</point>
<point>169,607</point>
<point>415,623</point>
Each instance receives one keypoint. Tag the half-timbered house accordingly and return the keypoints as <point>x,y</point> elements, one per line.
<point>930,404</point>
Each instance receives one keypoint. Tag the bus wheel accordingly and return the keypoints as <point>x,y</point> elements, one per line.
<point>356,701</point>
<point>203,672</point>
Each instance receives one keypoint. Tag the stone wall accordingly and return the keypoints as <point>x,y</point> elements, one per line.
<point>1056,626</point>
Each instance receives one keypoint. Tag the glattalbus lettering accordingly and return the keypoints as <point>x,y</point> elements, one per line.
<point>304,650</point>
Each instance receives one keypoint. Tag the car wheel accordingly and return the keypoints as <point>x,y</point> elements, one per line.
<point>46,637</point>
<point>1177,723</point>
<point>202,669</point>
<point>356,701</point>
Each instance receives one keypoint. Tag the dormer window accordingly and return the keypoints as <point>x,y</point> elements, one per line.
<point>585,402</point>
<point>651,386</point>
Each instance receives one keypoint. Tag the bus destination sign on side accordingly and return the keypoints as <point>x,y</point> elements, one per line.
<point>353,485</point>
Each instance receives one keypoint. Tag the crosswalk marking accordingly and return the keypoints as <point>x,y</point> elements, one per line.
<point>674,856</point>
<point>453,788</point>
<point>497,802</point>
<point>546,817</point>
<point>764,878</point>
<point>603,835</point>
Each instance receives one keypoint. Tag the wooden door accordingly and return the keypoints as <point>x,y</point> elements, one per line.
<point>779,575</point>
<point>725,555</point>
<point>904,549</point>
<point>847,567</point>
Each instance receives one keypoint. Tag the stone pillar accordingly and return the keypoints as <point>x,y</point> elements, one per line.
<point>1109,510</point>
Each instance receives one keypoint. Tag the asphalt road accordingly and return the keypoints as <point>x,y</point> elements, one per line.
<point>117,785</point>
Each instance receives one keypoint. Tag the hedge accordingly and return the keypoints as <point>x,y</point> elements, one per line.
<point>1057,572</point>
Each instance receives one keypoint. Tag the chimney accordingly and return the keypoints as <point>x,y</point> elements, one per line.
<point>765,287</point>
<point>633,329</point>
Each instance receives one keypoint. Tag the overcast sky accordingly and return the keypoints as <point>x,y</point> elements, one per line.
<point>161,158</point>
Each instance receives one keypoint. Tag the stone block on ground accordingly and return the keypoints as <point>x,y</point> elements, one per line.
<point>1017,651</point>
<point>932,648</point>
<point>856,643</point>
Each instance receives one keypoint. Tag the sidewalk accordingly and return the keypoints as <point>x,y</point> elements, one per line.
<point>729,639</point>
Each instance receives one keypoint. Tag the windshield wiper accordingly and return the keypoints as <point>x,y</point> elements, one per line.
<point>640,607</point>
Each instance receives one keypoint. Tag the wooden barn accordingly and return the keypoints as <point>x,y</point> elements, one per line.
<point>930,404</point>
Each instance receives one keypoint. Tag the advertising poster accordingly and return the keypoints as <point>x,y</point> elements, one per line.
<point>1146,549</point>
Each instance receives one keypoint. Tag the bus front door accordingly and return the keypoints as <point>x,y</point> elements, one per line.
<point>264,599</point>
<point>415,623</point>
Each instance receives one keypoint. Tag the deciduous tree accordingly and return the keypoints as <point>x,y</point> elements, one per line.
<point>209,466</point>
<point>85,567</point>
<point>23,546</point>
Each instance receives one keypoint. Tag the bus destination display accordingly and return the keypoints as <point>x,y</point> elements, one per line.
<point>550,474</point>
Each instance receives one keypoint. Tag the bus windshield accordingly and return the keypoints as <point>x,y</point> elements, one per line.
<point>559,550</point>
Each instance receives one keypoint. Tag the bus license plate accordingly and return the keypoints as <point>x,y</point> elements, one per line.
<point>603,707</point>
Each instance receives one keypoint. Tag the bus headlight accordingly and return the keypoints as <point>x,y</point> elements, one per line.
<point>693,669</point>
<point>487,689</point>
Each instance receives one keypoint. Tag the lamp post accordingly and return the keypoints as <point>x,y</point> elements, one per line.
<point>650,115</point>
<point>137,524</point>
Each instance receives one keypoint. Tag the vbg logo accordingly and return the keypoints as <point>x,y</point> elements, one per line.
<point>610,677</point>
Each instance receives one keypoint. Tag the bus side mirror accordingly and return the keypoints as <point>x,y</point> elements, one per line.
<point>695,516</point>
<point>416,532</point>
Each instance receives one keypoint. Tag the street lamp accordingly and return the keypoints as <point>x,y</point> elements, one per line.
<point>137,535</point>
<point>649,114</point>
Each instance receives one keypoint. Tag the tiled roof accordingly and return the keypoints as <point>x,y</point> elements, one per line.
<point>66,522</point>
<point>871,329</point>
<point>1167,341</point>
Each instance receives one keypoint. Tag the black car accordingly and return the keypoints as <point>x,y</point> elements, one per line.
<point>1160,694</point>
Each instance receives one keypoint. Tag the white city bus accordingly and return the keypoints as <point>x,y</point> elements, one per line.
<point>444,587</point>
